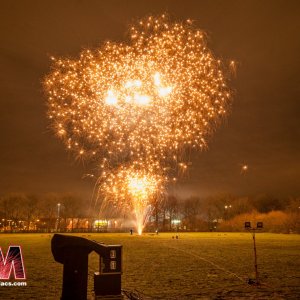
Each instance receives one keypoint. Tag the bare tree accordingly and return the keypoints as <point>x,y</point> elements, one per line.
<point>30,209</point>
<point>190,210</point>
<point>171,206</point>
<point>72,208</point>
<point>265,203</point>
<point>48,207</point>
<point>12,206</point>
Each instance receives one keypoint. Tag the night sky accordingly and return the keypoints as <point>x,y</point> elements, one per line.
<point>262,129</point>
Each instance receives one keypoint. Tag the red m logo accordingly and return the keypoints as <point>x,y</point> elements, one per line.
<point>13,261</point>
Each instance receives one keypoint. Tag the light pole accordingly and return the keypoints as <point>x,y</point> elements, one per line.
<point>226,207</point>
<point>259,226</point>
<point>58,216</point>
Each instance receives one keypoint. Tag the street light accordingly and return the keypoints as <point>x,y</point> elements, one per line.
<point>58,216</point>
<point>226,207</point>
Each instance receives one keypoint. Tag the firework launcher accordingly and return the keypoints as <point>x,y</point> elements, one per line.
<point>73,252</point>
<point>248,227</point>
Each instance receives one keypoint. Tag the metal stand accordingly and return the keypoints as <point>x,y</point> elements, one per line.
<point>255,259</point>
<point>248,227</point>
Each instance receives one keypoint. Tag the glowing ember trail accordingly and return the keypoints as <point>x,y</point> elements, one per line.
<point>141,104</point>
<point>133,190</point>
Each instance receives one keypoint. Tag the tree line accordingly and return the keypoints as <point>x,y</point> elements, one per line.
<point>226,212</point>
<point>223,212</point>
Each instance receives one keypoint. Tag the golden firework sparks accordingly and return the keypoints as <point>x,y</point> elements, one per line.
<point>137,107</point>
<point>133,190</point>
<point>159,94</point>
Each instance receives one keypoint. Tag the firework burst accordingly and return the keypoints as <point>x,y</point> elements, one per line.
<point>143,103</point>
<point>159,94</point>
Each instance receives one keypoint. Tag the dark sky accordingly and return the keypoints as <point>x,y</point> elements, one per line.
<point>262,130</point>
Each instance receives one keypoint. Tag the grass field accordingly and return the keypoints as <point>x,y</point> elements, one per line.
<point>196,266</point>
